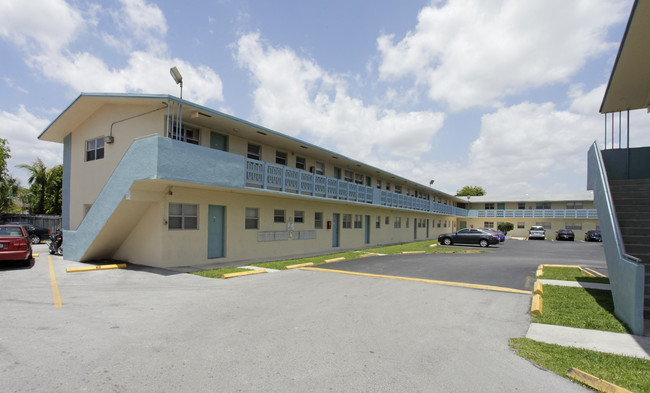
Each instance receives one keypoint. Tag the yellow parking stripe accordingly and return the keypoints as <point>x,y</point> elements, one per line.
<point>448,283</point>
<point>55,288</point>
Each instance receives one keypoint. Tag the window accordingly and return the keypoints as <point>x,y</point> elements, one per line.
<point>439,223</point>
<point>278,215</point>
<point>379,184</point>
<point>183,216</point>
<point>488,224</point>
<point>318,220</point>
<point>543,205</point>
<point>546,225</point>
<point>501,206</point>
<point>521,206</point>
<point>252,218</point>
<point>358,178</point>
<point>574,205</point>
<point>378,223</point>
<point>254,152</point>
<point>398,189</point>
<point>337,173</point>
<point>320,168</point>
<point>185,134</point>
<point>387,186</point>
<point>281,157</point>
<point>95,149</point>
<point>407,222</point>
<point>347,221</point>
<point>357,221</point>
<point>299,216</point>
<point>348,176</point>
<point>573,225</point>
<point>387,221</point>
<point>489,206</point>
<point>398,222</point>
<point>521,225</point>
<point>301,163</point>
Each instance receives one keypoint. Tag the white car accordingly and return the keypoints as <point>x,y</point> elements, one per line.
<point>537,232</point>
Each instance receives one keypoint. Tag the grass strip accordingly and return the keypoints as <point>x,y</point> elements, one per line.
<point>571,274</point>
<point>217,273</point>
<point>627,372</point>
<point>579,307</point>
<point>317,260</point>
<point>418,246</point>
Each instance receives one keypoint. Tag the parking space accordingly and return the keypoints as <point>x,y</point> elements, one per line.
<point>152,330</point>
<point>511,264</point>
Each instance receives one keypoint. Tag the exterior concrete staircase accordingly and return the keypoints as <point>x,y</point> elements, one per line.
<point>632,203</point>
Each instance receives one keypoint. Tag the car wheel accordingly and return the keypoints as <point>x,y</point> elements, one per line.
<point>35,239</point>
<point>447,242</point>
<point>483,243</point>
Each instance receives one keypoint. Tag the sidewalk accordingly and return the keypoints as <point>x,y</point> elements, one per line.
<point>595,340</point>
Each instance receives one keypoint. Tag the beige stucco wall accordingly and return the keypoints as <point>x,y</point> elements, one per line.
<point>150,242</point>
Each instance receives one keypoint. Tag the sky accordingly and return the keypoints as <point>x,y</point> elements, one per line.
<point>503,94</point>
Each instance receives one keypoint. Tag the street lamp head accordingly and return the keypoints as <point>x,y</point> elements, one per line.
<point>178,78</point>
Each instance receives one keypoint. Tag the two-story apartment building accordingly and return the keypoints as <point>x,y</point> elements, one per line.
<point>554,212</point>
<point>160,181</point>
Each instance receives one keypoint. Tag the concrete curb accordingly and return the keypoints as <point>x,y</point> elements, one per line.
<point>239,274</point>
<point>299,265</point>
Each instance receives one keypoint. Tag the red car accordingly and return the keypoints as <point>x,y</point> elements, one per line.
<point>15,244</point>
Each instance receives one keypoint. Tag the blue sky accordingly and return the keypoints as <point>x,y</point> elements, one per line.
<point>502,94</point>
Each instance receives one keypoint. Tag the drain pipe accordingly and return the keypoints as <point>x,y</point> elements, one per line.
<point>110,139</point>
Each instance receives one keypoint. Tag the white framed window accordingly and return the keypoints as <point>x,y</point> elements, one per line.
<point>407,222</point>
<point>397,223</point>
<point>254,152</point>
<point>488,224</point>
<point>489,206</point>
<point>281,157</point>
<point>278,215</point>
<point>348,176</point>
<point>574,205</point>
<point>521,225</point>
<point>357,221</point>
<point>318,220</point>
<point>183,216</point>
<point>252,218</point>
<point>185,134</point>
<point>573,225</point>
<point>521,205</point>
<point>95,149</point>
<point>301,163</point>
<point>379,184</point>
<point>398,189</point>
<point>298,216</point>
<point>543,205</point>
<point>347,221</point>
<point>387,221</point>
<point>320,168</point>
<point>378,223</point>
<point>358,178</point>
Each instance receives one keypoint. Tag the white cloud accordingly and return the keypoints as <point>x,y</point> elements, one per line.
<point>295,96</point>
<point>49,48</point>
<point>475,52</point>
<point>21,130</point>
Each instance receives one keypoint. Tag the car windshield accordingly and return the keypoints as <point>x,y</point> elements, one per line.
<point>11,232</point>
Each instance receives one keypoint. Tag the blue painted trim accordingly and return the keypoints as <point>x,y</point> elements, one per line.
<point>625,275</point>
<point>67,155</point>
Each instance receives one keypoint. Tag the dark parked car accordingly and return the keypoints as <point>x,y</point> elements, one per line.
<point>502,236</point>
<point>15,244</point>
<point>593,236</point>
<point>469,236</point>
<point>36,233</point>
<point>565,234</point>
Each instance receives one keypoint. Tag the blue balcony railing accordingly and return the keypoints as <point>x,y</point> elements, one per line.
<point>536,213</point>
<point>284,179</point>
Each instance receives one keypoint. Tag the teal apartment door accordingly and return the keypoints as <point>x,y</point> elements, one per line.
<point>216,231</point>
<point>367,229</point>
<point>335,229</point>
<point>218,141</point>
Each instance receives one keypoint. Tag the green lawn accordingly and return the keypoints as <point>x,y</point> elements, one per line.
<point>580,308</point>
<point>627,372</point>
<point>571,274</point>
<point>217,273</point>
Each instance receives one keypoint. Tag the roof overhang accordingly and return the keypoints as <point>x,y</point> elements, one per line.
<point>629,84</point>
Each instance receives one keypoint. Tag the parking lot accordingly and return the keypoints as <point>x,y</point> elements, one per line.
<point>149,330</point>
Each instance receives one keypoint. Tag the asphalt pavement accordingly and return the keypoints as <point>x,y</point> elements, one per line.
<point>151,330</point>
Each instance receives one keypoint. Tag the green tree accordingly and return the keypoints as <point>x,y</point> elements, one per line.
<point>38,180</point>
<point>471,191</point>
<point>505,227</point>
<point>54,191</point>
<point>9,189</point>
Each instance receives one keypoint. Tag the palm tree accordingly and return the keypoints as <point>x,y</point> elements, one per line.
<point>9,187</point>
<point>39,176</point>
